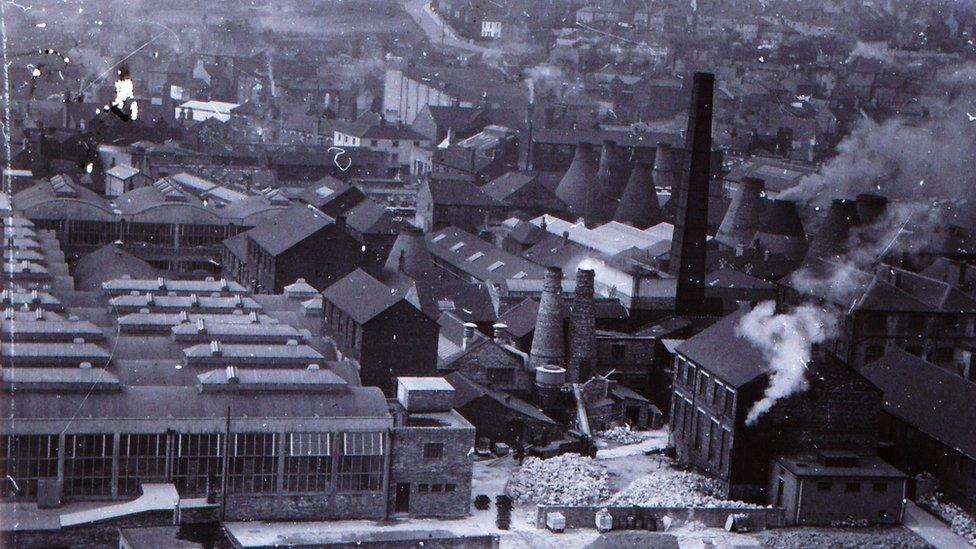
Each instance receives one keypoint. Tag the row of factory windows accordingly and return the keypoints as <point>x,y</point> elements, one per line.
<point>310,462</point>
<point>96,233</point>
<point>707,436</point>
<point>712,391</point>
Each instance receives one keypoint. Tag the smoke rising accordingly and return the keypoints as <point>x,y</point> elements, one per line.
<point>786,341</point>
<point>908,158</point>
<point>878,51</point>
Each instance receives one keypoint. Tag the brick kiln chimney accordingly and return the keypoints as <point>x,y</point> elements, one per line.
<point>870,207</point>
<point>639,206</point>
<point>612,175</point>
<point>832,236</point>
<point>582,329</point>
<point>743,218</point>
<point>691,219</point>
<point>547,341</point>
<point>781,231</point>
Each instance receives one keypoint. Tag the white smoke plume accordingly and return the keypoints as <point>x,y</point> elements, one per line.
<point>540,79</point>
<point>872,50</point>
<point>608,280</point>
<point>908,158</point>
<point>786,341</point>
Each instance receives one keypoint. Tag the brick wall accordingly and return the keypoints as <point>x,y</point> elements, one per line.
<point>487,355</point>
<point>338,506</point>
<point>455,467</point>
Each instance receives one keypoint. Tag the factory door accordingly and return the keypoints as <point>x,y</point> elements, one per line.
<point>402,502</point>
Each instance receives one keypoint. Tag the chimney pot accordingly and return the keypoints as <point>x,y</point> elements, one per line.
<point>501,332</point>
<point>469,328</point>
<point>313,367</point>
<point>85,365</point>
<point>232,375</point>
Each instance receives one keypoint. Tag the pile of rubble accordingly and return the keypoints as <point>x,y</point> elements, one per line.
<point>623,435</point>
<point>569,479</point>
<point>670,488</point>
<point>961,522</point>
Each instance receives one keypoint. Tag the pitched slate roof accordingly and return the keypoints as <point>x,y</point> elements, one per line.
<point>361,296</point>
<point>927,397</point>
<point>458,193</point>
<point>466,390</point>
<point>288,228</point>
<point>721,351</point>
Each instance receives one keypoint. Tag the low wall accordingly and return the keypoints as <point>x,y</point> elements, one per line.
<point>650,517</point>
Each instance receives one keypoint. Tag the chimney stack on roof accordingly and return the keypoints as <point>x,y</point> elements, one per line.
<point>469,328</point>
<point>742,219</point>
<point>500,330</point>
<point>639,206</point>
<point>582,346</point>
<point>547,341</point>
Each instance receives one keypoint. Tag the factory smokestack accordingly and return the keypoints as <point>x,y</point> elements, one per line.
<point>742,219</point>
<point>612,175</point>
<point>835,230</point>
<point>582,330</point>
<point>691,219</point>
<point>547,341</point>
<point>639,206</point>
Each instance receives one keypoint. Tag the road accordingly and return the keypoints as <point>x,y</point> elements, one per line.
<point>931,529</point>
<point>436,30</point>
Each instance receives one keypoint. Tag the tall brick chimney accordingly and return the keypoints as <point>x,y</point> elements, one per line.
<point>691,219</point>
<point>547,342</point>
<point>582,329</point>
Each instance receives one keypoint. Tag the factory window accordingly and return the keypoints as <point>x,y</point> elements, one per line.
<point>618,351</point>
<point>729,402</point>
<point>680,373</point>
<point>717,394</point>
<point>142,458</point>
<point>158,234</point>
<point>880,487</point>
<point>690,376</point>
<point>433,450</point>
<point>361,465</point>
<point>436,487</point>
<point>423,488</point>
<point>308,462</point>
<point>373,142</point>
<point>724,447</point>
<point>252,463</point>
<point>24,460</point>
<point>501,375</point>
<point>824,486</point>
<point>201,235</point>
<point>852,487</point>
<point>88,465</point>
<point>703,384</point>
<point>450,487</point>
<point>714,442</point>
<point>198,464</point>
